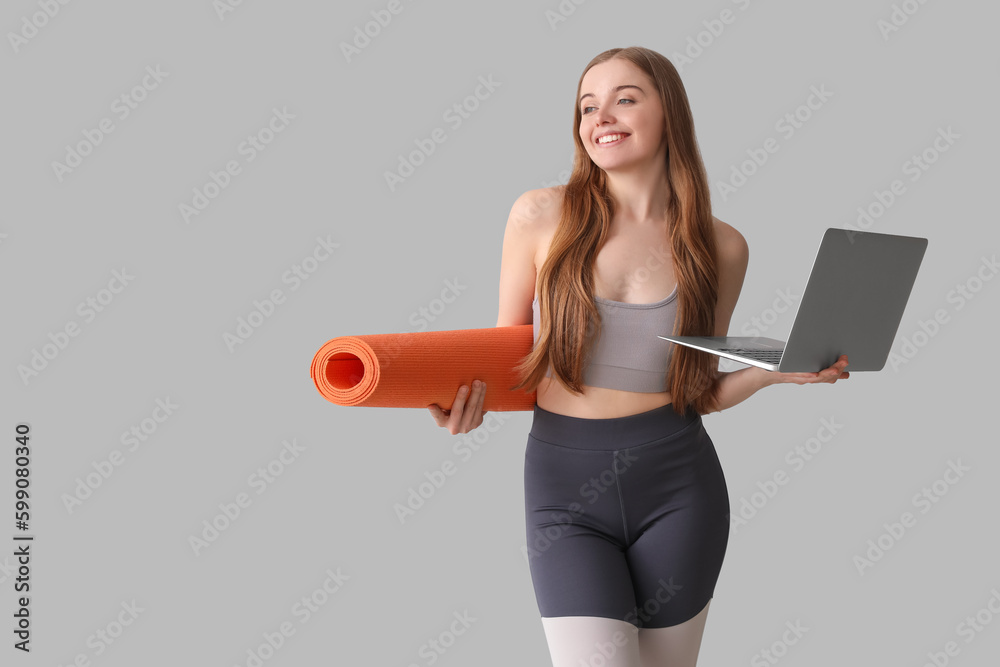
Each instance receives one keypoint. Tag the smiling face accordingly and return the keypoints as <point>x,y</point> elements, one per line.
<point>618,98</point>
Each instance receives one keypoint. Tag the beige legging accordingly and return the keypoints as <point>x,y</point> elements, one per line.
<point>590,641</point>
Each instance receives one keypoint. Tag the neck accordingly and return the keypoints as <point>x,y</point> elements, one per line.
<point>641,195</point>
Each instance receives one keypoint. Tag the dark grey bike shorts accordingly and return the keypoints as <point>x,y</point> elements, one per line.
<point>627,518</point>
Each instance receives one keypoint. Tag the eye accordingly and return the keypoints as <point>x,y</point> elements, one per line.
<point>624,99</point>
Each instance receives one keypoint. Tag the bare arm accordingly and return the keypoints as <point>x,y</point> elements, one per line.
<point>737,386</point>
<point>517,262</point>
<point>734,256</point>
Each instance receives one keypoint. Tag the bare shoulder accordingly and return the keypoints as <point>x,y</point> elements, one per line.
<point>526,237</point>
<point>534,218</point>
<point>732,246</point>
<point>536,211</point>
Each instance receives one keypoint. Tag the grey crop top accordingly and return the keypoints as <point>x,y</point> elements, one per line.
<point>628,355</point>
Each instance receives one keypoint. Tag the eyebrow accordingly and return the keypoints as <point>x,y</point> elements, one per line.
<point>619,88</point>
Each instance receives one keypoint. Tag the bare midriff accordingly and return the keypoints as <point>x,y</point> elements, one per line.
<point>596,402</point>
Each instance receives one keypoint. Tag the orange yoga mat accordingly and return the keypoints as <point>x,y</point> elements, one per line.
<point>413,370</point>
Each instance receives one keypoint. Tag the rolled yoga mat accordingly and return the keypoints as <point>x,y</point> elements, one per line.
<point>413,370</point>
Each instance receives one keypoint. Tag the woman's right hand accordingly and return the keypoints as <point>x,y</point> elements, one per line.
<point>463,417</point>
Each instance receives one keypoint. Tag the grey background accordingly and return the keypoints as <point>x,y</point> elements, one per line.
<point>332,507</point>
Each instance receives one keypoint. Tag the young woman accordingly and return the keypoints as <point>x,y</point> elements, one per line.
<point>626,504</point>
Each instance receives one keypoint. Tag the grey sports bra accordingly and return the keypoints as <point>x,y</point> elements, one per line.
<point>628,355</point>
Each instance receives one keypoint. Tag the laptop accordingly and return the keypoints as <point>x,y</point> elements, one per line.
<point>853,304</point>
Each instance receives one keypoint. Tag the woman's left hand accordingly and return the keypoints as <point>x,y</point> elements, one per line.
<point>831,374</point>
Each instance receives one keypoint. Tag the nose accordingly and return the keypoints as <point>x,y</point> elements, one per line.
<point>601,116</point>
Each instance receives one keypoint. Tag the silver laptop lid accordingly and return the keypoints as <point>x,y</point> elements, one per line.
<point>854,300</point>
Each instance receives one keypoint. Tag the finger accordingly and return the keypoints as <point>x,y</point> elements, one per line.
<point>836,368</point>
<point>436,413</point>
<point>458,408</point>
<point>481,396</point>
<point>475,406</point>
<point>479,405</point>
<point>440,415</point>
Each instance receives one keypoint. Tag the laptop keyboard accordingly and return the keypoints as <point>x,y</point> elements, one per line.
<point>767,356</point>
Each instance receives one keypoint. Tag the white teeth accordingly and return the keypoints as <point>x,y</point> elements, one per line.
<point>610,137</point>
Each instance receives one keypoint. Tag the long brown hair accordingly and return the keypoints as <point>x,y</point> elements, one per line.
<point>566,279</point>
